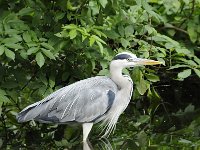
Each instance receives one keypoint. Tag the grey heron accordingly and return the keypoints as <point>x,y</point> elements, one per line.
<point>100,98</point>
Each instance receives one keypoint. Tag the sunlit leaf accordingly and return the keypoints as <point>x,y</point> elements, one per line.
<point>197,71</point>
<point>48,53</point>
<point>185,73</point>
<point>94,7</point>
<point>98,39</point>
<point>99,33</point>
<point>32,50</point>
<point>40,59</point>
<point>142,86</point>
<point>10,54</point>
<point>72,34</point>
<point>177,66</point>
<point>184,141</point>
<point>26,11</point>
<point>13,46</point>
<point>183,50</point>
<point>192,31</point>
<point>23,54</point>
<point>1,49</point>
<point>92,40</point>
<point>152,77</point>
<point>26,37</point>
<point>47,46</point>
<point>129,30</point>
<point>10,40</point>
<point>124,42</point>
<point>70,27</point>
<point>100,46</point>
<point>103,3</point>
<point>197,60</point>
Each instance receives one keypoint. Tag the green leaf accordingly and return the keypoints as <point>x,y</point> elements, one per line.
<point>40,59</point>
<point>72,34</point>
<point>32,50</point>
<point>197,60</point>
<point>47,46</point>
<point>70,27</point>
<point>129,30</point>
<point>197,71</point>
<point>10,40</point>
<point>32,44</point>
<point>99,33</point>
<point>183,51</point>
<point>103,3</point>
<point>2,92</point>
<point>184,74</point>
<point>98,39</point>
<point>2,49</point>
<point>161,60</point>
<point>59,15</point>
<point>191,63</point>
<point>92,40</point>
<point>177,66</point>
<point>70,7</point>
<point>189,108</point>
<point>152,77</point>
<point>121,30</point>
<point>94,7</point>
<point>3,97</point>
<point>112,34</point>
<point>25,11</point>
<point>192,31</point>
<point>33,36</point>
<point>100,46</point>
<point>184,141</point>
<point>13,46</point>
<point>142,86</point>
<point>124,42</point>
<point>143,119</point>
<point>12,32</point>
<point>48,53</point>
<point>10,84</point>
<point>23,53</point>
<point>10,54</point>
<point>149,29</point>
<point>52,81</point>
<point>26,36</point>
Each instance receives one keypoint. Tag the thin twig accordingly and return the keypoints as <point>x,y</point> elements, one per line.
<point>175,28</point>
<point>192,11</point>
<point>35,73</point>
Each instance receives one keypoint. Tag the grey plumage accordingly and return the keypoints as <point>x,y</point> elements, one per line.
<point>89,101</point>
<point>78,102</point>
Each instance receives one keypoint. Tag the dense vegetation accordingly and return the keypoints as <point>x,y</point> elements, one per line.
<point>45,45</point>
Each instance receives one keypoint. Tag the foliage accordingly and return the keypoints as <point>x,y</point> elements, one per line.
<point>45,45</point>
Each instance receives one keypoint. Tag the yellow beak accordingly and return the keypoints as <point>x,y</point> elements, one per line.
<point>141,61</point>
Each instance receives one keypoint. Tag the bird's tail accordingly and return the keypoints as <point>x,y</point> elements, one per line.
<point>27,113</point>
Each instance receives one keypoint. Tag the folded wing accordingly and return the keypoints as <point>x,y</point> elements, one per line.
<point>83,101</point>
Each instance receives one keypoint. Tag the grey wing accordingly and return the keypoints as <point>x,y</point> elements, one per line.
<point>84,101</point>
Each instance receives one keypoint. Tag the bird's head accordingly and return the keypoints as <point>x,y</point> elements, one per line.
<point>127,59</point>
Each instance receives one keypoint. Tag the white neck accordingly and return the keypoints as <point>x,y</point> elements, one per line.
<point>117,77</point>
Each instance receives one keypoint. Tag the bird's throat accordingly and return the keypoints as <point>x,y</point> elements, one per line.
<point>118,78</point>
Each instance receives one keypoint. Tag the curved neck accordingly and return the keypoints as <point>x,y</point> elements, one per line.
<point>117,77</point>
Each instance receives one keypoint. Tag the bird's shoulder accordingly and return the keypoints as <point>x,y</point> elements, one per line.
<point>91,83</point>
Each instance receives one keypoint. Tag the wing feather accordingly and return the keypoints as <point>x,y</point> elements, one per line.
<point>83,101</point>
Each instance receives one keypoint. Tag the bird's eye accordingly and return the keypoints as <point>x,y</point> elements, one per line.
<point>128,59</point>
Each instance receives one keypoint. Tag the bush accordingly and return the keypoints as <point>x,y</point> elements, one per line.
<point>45,45</point>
